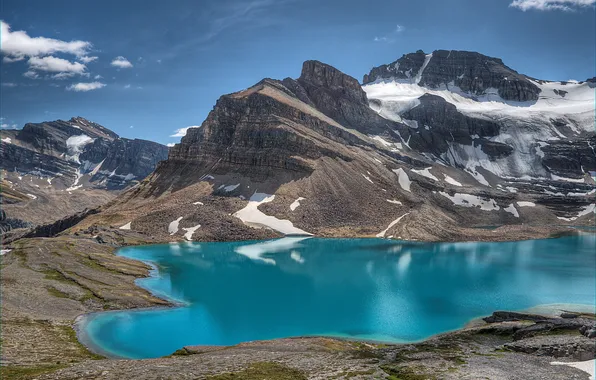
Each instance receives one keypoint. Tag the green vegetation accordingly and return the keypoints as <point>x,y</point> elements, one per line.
<point>25,373</point>
<point>56,293</point>
<point>262,371</point>
<point>404,373</point>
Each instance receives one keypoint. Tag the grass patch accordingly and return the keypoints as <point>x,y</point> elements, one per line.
<point>262,371</point>
<point>56,293</point>
<point>404,373</point>
<point>25,373</point>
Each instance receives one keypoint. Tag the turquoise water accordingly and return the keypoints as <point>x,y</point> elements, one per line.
<point>361,288</point>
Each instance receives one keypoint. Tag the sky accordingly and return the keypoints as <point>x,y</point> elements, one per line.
<point>146,69</point>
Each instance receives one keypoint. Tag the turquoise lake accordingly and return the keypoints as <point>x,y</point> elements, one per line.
<point>370,289</point>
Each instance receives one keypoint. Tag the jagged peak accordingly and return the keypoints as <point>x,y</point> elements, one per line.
<point>323,75</point>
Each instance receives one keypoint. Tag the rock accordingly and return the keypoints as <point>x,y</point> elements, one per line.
<point>569,315</point>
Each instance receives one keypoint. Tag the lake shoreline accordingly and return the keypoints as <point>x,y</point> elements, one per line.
<point>84,319</point>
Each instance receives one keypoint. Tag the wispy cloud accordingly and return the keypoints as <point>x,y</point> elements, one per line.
<point>84,87</point>
<point>390,38</point>
<point>552,5</point>
<point>181,132</point>
<point>8,84</point>
<point>121,63</point>
<point>87,59</point>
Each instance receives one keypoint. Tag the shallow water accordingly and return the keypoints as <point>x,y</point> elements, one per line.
<point>362,288</point>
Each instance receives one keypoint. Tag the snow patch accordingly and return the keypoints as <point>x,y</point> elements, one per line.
<point>190,231</point>
<point>469,200</point>
<point>32,196</point>
<point>256,251</point>
<point>368,179</point>
<point>230,187</point>
<point>382,233</point>
<point>252,216</point>
<point>296,203</point>
<point>587,366</point>
<point>4,251</point>
<point>526,204</point>
<point>7,140</point>
<point>587,210</point>
<point>394,201</point>
<point>75,145</point>
<point>173,227</point>
<point>403,179</point>
<point>425,173</point>
<point>126,226</point>
<point>512,210</point>
<point>198,203</point>
<point>451,181</point>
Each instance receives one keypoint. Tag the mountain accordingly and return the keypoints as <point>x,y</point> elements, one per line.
<point>431,147</point>
<point>63,167</point>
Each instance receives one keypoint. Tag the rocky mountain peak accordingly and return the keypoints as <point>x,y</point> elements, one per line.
<point>323,75</point>
<point>472,72</point>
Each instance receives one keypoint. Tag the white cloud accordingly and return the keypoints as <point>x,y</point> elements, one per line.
<point>10,60</point>
<point>8,126</point>
<point>399,28</point>
<point>97,77</point>
<point>121,62</point>
<point>131,127</point>
<point>57,65</point>
<point>31,75</point>
<point>63,75</point>
<point>18,44</point>
<point>127,86</point>
<point>9,84</point>
<point>181,132</point>
<point>550,5</point>
<point>87,59</point>
<point>170,144</point>
<point>84,87</point>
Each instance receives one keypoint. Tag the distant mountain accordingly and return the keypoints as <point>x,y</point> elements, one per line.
<point>432,147</point>
<point>65,166</point>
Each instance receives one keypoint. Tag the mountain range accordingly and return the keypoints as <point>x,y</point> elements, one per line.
<point>442,146</point>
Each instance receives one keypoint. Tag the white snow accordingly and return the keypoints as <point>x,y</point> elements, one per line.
<point>427,59</point>
<point>75,185</point>
<point>587,366</point>
<point>525,125</point>
<point>368,178</point>
<point>75,145</point>
<point>587,210</point>
<point>4,251</point>
<point>403,179</point>
<point>557,178</point>
<point>425,173</point>
<point>468,200</point>
<point>126,226</point>
<point>296,203</point>
<point>512,210</point>
<point>7,140</point>
<point>190,231</point>
<point>451,181</point>
<point>173,227</point>
<point>382,233</point>
<point>394,201</point>
<point>511,189</point>
<point>297,257</point>
<point>252,216</point>
<point>198,203</point>
<point>32,196</point>
<point>526,204</point>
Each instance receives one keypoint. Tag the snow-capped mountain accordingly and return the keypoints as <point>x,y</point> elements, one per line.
<point>432,147</point>
<point>65,166</point>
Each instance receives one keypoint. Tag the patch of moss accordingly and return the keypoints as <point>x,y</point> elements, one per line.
<point>25,373</point>
<point>56,293</point>
<point>404,373</point>
<point>262,371</point>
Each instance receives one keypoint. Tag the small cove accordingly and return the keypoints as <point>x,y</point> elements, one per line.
<point>371,289</point>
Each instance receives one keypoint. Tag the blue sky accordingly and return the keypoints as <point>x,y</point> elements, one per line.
<point>177,57</point>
